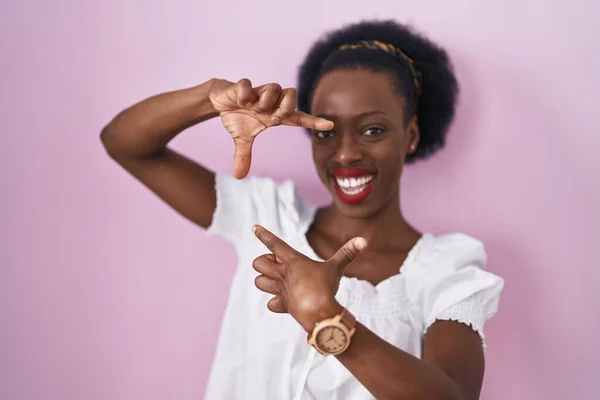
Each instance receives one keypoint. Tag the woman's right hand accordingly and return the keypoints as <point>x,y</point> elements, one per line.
<point>246,111</point>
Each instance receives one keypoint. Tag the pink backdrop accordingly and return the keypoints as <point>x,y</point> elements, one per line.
<point>107,294</point>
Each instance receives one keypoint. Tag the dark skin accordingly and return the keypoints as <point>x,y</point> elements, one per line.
<point>452,362</point>
<point>370,132</point>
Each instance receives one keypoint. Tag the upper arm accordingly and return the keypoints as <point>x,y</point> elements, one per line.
<point>455,296</point>
<point>183,184</point>
<point>457,350</point>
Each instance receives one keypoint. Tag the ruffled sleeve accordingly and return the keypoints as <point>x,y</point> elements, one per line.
<point>254,200</point>
<point>449,282</point>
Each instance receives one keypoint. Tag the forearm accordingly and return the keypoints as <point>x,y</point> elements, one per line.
<point>385,370</point>
<point>390,373</point>
<point>145,128</point>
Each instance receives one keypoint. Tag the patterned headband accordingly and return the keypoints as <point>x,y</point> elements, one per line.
<point>392,51</point>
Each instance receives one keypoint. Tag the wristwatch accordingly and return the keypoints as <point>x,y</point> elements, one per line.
<point>332,336</point>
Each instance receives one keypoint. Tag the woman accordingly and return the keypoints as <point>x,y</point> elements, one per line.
<point>389,312</point>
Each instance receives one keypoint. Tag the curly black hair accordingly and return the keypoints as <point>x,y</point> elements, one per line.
<point>435,103</point>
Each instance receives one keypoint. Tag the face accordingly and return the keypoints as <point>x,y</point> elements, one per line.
<point>360,161</point>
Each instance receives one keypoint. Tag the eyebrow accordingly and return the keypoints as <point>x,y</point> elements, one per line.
<point>361,115</point>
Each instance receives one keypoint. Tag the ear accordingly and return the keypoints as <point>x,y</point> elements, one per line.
<point>413,135</point>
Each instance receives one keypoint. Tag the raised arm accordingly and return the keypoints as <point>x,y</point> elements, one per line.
<point>137,138</point>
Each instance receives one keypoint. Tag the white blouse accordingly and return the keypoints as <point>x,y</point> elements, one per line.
<point>262,355</point>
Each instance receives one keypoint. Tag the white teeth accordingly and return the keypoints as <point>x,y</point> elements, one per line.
<point>354,186</point>
<point>354,182</point>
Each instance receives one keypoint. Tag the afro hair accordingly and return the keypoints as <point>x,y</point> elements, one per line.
<point>437,98</point>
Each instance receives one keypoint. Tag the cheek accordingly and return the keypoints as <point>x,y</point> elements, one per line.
<point>395,152</point>
<point>319,157</point>
<point>393,162</point>
<point>320,153</point>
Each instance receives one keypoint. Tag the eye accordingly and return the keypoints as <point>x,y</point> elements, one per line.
<point>373,131</point>
<point>323,134</point>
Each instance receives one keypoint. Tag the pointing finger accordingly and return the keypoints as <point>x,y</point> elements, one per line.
<point>277,246</point>
<point>299,118</point>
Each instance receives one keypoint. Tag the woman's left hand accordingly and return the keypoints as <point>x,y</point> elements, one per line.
<point>302,287</point>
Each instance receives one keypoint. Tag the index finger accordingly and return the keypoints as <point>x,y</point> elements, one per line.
<point>277,246</point>
<point>299,118</point>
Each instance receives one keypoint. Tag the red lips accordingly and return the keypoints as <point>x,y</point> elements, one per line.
<point>352,199</point>
<point>351,172</point>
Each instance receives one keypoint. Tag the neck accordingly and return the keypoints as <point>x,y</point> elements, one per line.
<point>384,229</point>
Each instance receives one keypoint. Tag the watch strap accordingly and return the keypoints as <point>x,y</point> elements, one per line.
<point>348,319</point>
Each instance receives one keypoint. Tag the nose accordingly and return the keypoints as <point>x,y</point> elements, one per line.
<point>348,149</point>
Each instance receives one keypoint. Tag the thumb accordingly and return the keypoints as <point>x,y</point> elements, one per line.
<point>348,253</point>
<point>242,157</point>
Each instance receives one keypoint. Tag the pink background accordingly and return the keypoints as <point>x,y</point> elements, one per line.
<point>107,294</point>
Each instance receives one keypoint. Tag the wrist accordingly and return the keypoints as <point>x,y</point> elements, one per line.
<point>203,105</point>
<point>326,309</point>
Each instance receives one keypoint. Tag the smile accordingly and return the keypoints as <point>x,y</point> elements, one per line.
<point>352,186</point>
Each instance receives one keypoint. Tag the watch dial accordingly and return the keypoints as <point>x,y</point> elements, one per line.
<point>331,339</point>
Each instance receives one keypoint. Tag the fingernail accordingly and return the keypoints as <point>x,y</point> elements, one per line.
<point>360,243</point>
<point>254,228</point>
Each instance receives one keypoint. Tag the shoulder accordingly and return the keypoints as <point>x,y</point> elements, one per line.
<point>450,267</point>
<point>448,252</point>
<point>448,280</point>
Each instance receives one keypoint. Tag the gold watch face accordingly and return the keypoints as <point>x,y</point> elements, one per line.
<point>331,339</point>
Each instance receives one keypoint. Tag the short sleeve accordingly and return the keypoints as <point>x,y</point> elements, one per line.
<point>450,283</point>
<point>253,200</point>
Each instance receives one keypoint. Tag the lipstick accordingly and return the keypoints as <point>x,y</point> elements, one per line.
<point>353,185</point>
